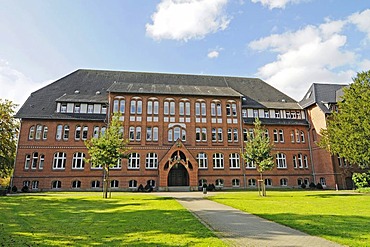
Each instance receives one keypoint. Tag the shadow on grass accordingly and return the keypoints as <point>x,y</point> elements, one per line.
<point>56,221</point>
<point>326,195</point>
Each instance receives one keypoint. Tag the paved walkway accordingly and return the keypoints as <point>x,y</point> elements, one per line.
<point>238,228</point>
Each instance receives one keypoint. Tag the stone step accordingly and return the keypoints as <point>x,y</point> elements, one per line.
<point>178,188</point>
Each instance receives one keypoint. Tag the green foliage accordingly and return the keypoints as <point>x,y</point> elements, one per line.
<point>8,137</point>
<point>258,149</point>
<point>73,219</point>
<point>361,180</point>
<point>348,130</point>
<point>108,148</point>
<point>342,217</point>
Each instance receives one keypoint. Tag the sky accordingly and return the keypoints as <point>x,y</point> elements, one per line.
<point>290,44</point>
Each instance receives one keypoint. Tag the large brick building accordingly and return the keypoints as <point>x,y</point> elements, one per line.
<point>183,130</point>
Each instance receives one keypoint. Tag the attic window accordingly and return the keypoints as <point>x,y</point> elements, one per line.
<point>77,91</point>
<point>98,92</point>
<point>283,100</point>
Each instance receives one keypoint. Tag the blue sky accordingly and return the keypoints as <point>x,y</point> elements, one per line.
<point>288,43</point>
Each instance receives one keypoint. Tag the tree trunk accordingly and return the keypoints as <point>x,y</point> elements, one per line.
<point>261,186</point>
<point>106,181</point>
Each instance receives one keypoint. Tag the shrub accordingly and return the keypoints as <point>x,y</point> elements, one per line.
<point>361,180</point>
<point>319,186</point>
<point>312,185</point>
<point>14,189</point>
<point>303,186</point>
<point>25,189</point>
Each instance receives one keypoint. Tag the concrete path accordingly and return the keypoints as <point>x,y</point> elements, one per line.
<point>238,228</point>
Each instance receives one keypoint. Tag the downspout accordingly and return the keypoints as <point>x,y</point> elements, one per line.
<point>311,156</point>
<point>242,141</point>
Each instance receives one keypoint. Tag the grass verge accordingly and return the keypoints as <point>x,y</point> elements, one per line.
<point>337,216</point>
<point>88,220</point>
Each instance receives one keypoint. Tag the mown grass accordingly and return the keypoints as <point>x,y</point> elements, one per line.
<point>337,216</point>
<point>68,219</point>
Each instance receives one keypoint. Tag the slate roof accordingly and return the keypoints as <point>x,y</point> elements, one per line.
<point>42,103</point>
<point>321,94</point>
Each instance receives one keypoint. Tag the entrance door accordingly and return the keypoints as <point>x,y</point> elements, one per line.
<point>178,176</point>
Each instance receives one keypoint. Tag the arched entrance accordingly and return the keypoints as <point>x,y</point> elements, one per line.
<point>178,176</point>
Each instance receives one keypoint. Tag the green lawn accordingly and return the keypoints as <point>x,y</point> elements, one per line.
<point>86,219</point>
<point>337,216</point>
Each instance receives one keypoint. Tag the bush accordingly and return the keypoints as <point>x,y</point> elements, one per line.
<point>312,185</point>
<point>303,186</point>
<point>319,186</point>
<point>14,189</point>
<point>25,189</point>
<point>361,180</point>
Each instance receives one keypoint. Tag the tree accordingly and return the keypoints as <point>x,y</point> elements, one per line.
<point>348,130</point>
<point>258,151</point>
<point>8,137</point>
<point>107,150</point>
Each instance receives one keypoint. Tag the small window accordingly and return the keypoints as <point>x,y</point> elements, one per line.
<point>31,134</point>
<point>252,182</point>
<point>76,184</point>
<point>114,183</point>
<point>283,182</point>
<point>132,184</point>
<point>201,182</point>
<point>219,182</point>
<point>235,182</point>
<point>56,184</point>
<point>95,184</point>
<point>202,160</point>
<point>268,181</point>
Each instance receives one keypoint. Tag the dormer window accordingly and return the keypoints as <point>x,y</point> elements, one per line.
<point>63,107</point>
<point>77,108</point>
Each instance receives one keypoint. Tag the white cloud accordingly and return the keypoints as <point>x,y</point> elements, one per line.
<point>187,19</point>
<point>15,86</point>
<point>362,21</point>
<point>311,54</point>
<point>213,54</point>
<point>271,4</point>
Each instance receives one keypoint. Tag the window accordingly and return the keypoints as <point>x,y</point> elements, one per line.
<point>114,183</point>
<point>201,134</point>
<point>297,136</point>
<point>77,108</point>
<point>218,161</point>
<point>187,108</point>
<point>115,105</point>
<point>78,161</point>
<point>78,132</point>
<point>172,108</point>
<point>277,114</point>
<point>201,182</point>
<point>233,108</point>
<point>136,106</point>
<point>65,132</point>
<point>228,109</point>
<point>26,183</point>
<point>202,160</point>
<point>63,107</point>
<point>197,109</point>
<point>305,160</point>
<point>235,134</point>
<point>213,109</point>
<point>299,181</point>
<point>235,182</point>
<point>135,133</point>
<point>281,135</point>
<point>267,115</point>
<point>27,161</point>
<point>45,133</point>
<point>59,132</point>
<point>302,137</point>
<point>151,161</point>
<point>281,160</point>
<point>245,135</point>
<point>149,133</point>
<point>96,132</point>
<point>85,129</point>
<point>244,113</point>
<point>104,109</point>
<point>323,181</point>
<point>250,165</point>
<point>219,134</point>
<point>292,136</point>
<point>268,181</point>
<point>56,184</point>
<point>118,164</point>
<point>176,133</point>
<point>151,183</point>
<point>300,161</point>
<point>59,161</point>
<point>197,134</point>
<point>276,137</point>
<point>35,158</point>
<point>255,113</point>
<point>132,184</point>
<point>234,160</point>
<point>76,184</point>
<point>35,184</point>
<point>134,161</point>
<point>119,105</point>
<point>166,108</point>
<point>90,108</point>
<point>306,181</point>
<point>38,132</point>
<point>103,129</point>
<point>214,135</point>
<point>41,162</point>
<point>203,108</point>
<point>283,182</point>
<point>252,182</point>
<point>229,135</point>
<point>219,182</point>
<point>295,164</point>
<point>95,184</point>
<point>182,108</point>
<point>31,134</point>
<point>219,109</point>
<point>267,133</point>
<point>152,107</point>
